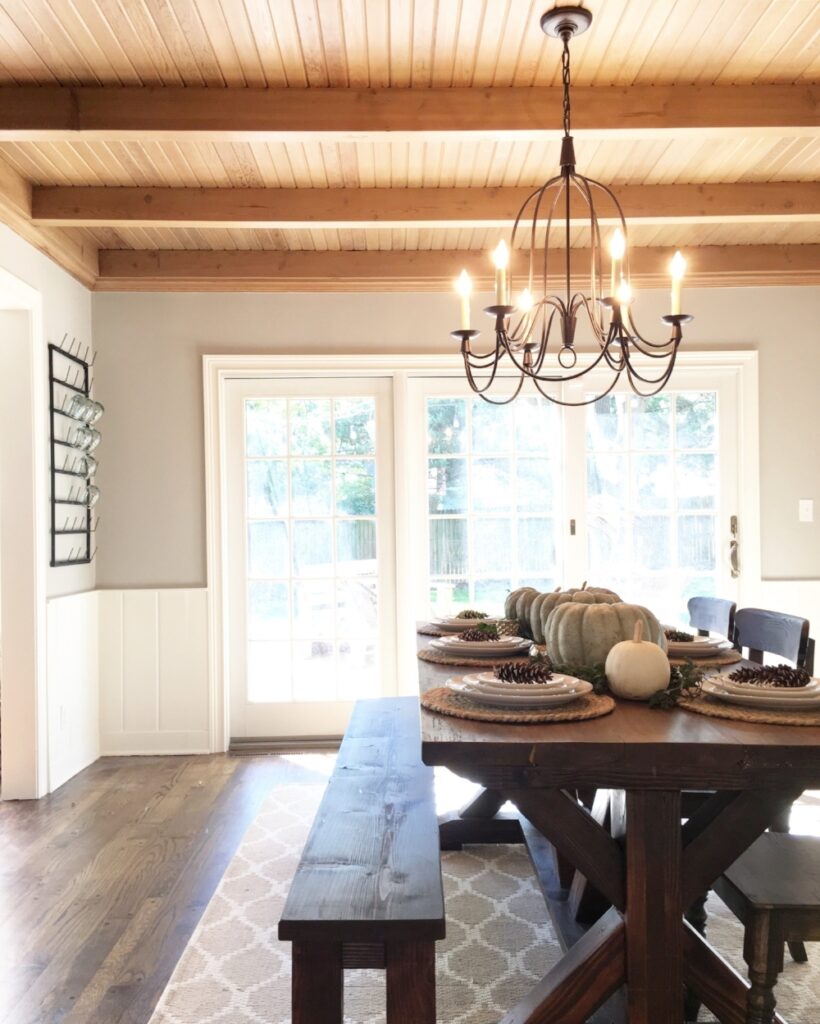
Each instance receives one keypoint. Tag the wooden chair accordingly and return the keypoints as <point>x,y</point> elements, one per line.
<point>765,632</point>
<point>712,615</point>
<point>774,890</point>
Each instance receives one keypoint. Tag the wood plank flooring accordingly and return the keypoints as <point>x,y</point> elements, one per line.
<point>103,882</point>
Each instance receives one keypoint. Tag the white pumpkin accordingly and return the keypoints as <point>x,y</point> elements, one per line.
<point>583,634</point>
<point>636,669</point>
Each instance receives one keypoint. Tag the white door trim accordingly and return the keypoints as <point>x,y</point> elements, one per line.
<point>217,368</point>
<point>23,562</point>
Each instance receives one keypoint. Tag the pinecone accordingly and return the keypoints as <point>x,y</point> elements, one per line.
<point>524,672</point>
<point>772,675</point>
<point>678,636</point>
<point>482,632</point>
<point>469,613</point>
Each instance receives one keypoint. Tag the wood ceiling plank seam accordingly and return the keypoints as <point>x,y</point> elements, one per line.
<point>767,35</point>
<point>193,167</point>
<point>332,164</point>
<point>158,166</point>
<point>469,30</point>
<point>300,167</point>
<point>433,163</point>
<point>51,158</point>
<point>92,170</point>
<point>531,51</point>
<point>135,43</point>
<point>444,46</point>
<point>383,164</point>
<point>250,172</point>
<point>18,158</point>
<point>655,65</point>
<point>632,60</point>
<point>38,26</point>
<point>354,38</point>
<point>332,34</point>
<point>796,54</point>
<point>377,27</point>
<point>223,46</point>
<point>366,164</point>
<point>20,55</point>
<point>591,49</point>
<point>307,24</point>
<point>283,19</point>
<point>415,164</point>
<point>147,28</point>
<point>492,28</point>
<point>256,42</point>
<point>268,173</point>
<point>400,28</point>
<point>129,156</point>
<point>349,162</point>
<point>422,43</point>
<point>794,155</point>
<point>179,23</point>
<point>517,27</point>
<point>92,36</point>
<point>739,23</point>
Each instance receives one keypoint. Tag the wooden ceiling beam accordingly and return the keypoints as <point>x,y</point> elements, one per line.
<point>740,202</point>
<point>49,113</point>
<point>73,255</point>
<point>278,271</point>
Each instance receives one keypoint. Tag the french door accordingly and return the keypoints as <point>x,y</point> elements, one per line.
<point>311,579</point>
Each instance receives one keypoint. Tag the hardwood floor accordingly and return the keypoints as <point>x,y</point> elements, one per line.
<point>102,883</point>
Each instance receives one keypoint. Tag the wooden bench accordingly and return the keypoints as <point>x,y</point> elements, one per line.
<point>367,892</point>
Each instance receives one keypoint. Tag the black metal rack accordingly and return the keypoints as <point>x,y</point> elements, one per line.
<point>69,374</point>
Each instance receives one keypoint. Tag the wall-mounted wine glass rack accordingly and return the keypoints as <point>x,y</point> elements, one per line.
<point>72,466</point>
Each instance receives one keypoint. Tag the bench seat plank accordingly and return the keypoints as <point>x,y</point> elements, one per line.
<point>371,869</point>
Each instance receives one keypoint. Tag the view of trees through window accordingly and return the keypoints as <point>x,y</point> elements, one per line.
<point>493,499</point>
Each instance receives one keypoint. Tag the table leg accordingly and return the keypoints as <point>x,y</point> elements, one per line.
<point>477,822</point>
<point>654,907</point>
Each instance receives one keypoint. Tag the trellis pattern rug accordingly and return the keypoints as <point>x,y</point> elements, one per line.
<point>499,940</point>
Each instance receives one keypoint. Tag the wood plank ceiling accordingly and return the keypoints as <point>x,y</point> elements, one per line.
<point>434,96</point>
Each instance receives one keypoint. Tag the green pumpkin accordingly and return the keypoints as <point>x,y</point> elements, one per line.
<point>512,599</point>
<point>581,633</point>
<point>522,611</point>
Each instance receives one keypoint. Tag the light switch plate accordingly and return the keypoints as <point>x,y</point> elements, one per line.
<point>805,510</point>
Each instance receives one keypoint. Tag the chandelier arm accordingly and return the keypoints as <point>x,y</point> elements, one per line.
<point>661,382</point>
<point>637,375</point>
<point>543,347</point>
<point>564,378</point>
<point>639,342</point>
<point>558,193</point>
<point>505,401</point>
<point>472,381</point>
<point>596,270</point>
<point>601,332</point>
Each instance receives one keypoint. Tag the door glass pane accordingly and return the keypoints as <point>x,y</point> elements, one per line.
<point>652,467</point>
<point>312,559</point>
<point>505,460</point>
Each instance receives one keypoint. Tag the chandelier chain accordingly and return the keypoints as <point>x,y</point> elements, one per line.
<point>565,79</point>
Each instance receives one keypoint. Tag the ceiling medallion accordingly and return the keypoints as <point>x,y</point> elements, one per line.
<point>524,329</point>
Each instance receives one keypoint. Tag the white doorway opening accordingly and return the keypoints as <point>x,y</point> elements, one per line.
<point>23,539</point>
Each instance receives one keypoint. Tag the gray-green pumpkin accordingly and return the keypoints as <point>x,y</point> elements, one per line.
<point>512,599</point>
<point>522,611</point>
<point>579,633</point>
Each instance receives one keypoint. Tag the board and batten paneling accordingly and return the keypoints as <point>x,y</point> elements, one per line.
<point>73,685</point>
<point>154,671</point>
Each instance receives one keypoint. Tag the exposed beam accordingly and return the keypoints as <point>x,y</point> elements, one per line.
<point>78,258</point>
<point>277,271</point>
<point>47,113</point>
<point>746,202</point>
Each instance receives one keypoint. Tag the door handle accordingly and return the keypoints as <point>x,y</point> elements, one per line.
<point>734,548</point>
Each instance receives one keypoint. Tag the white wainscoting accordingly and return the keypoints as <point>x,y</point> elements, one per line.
<point>73,686</point>
<point>153,671</point>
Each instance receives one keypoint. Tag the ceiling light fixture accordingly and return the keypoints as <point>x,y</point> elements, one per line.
<point>621,348</point>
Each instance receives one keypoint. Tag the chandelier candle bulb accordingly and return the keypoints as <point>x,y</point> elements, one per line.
<point>464,287</point>
<point>501,257</point>
<point>624,295</point>
<point>677,268</point>
<point>617,248</point>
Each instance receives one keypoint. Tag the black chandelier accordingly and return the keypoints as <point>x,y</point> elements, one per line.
<point>523,331</point>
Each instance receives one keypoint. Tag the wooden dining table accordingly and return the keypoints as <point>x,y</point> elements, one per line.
<point>649,867</point>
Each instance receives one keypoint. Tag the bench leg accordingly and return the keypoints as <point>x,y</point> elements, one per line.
<point>411,982</point>
<point>763,952</point>
<point>317,983</point>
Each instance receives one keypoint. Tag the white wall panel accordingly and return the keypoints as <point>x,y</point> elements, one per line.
<point>73,686</point>
<point>153,671</point>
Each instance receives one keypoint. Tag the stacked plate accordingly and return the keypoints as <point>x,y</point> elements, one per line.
<point>504,647</point>
<point>459,625</point>
<point>484,688</point>
<point>699,647</point>
<point>749,695</point>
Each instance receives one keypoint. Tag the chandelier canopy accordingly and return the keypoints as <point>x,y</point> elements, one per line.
<point>536,333</point>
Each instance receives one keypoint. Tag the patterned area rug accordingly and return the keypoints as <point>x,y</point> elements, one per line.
<point>499,940</point>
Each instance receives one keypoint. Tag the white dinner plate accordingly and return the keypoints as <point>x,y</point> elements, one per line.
<point>700,647</point>
<point>482,651</point>
<point>506,644</point>
<point>495,700</point>
<point>459,625</point>
<point>767,700</point>
<point>812,689</point>
<point>487,682</point>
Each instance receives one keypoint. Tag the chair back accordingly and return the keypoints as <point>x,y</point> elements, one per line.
<point>712,615</point>
<point>763,631</point>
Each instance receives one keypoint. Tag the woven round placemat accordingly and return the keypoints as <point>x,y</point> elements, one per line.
<point>705,705</point>
<point>431,655</point>
<point>506,627</point>
<point>729,658</point>
<point>448,702</point>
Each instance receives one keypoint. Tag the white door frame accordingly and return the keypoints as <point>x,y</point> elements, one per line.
<point>24,533</point>
<point>217,368</point>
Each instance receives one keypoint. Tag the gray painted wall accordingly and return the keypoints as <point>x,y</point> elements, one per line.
<point>150,379</point>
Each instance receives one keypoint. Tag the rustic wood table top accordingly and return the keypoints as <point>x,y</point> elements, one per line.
<point>662,867</point>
